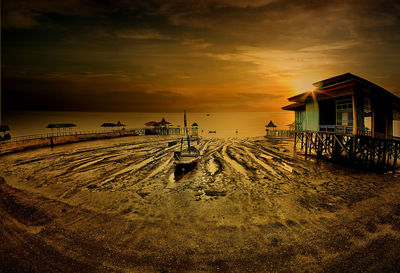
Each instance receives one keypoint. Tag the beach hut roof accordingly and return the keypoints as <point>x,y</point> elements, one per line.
<point>195,124</point>
<point>108,124</point>
<point>61,125</point>
<point>164,122</point>
<point>271,124</point>
<point>120,124</point>
<point>151,123</point>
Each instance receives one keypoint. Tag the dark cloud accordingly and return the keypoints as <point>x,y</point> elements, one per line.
<point>52,92</point>
<point>130,49</point>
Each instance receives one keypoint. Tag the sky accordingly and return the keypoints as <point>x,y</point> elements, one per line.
<point>198,55</point>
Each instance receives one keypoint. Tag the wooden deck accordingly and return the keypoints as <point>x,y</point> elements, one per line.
<point>359,151</point>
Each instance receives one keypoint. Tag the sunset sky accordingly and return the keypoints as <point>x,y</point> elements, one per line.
<point>198,55</point>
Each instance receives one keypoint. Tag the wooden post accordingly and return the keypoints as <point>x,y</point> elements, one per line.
<point>306,145</point>
<point>295,134</point>
<point>354,115</point>
<point>372,118</point>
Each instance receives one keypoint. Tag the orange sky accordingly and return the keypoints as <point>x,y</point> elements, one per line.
<point>210,55</point>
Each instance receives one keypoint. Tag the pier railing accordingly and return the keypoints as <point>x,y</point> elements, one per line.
<point>280,133</point>
<point>22,143</point>
<point>137,131</point>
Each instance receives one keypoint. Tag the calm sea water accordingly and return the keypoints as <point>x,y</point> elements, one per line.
<point>247,124</point>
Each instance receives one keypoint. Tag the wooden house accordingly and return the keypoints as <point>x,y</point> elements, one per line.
<point>346,104</point>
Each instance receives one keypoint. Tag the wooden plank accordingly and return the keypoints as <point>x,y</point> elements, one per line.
<point>341,145</point>
<point>324,144</point>
<point>354,115</point>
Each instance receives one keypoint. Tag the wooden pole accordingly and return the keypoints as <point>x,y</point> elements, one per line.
<point>354,115</point>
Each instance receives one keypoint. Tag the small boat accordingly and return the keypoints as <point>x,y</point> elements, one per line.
<point>188,156</point>
<point>212,132</point>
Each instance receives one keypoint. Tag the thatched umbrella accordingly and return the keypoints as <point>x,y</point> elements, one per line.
<point>119,124</point>
<point>195,125</point>
<point>60,125</point>
<point>164,123</point>
<point>270,125</point>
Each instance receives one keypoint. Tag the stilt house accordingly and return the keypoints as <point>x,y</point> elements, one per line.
<point>346,104</point>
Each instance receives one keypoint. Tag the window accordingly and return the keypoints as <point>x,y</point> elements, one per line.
<point>344,112</point>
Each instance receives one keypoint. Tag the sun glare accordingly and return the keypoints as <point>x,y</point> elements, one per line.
<point>300,85</point>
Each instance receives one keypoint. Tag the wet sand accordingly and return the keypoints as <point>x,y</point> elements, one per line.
<point>250,205</point>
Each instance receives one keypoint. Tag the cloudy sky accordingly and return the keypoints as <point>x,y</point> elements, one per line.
<point>201,55</point>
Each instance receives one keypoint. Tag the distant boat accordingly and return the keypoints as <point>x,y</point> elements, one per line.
<point>212,132</point>
<point>186,156</point>
<point>208,115</point>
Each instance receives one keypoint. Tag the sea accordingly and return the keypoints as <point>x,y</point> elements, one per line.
<point>225,124</point>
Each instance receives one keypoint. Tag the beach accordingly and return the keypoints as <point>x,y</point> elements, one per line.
<point>250,205</point>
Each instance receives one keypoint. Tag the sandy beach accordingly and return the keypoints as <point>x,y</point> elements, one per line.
<point>250,205</point>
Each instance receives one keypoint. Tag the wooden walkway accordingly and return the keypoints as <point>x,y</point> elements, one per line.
<point>365,152</point>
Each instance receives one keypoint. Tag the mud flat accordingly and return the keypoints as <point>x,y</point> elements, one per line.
<point>250,205</point>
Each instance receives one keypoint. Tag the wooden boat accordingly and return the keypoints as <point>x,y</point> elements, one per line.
<point>212,132</point>
<point>174,142</point>
<point>189,155</point>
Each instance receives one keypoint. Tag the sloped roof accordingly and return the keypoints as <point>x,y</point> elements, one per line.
<point>108,124</point>
<point>270,124</point>
<point>61,125</point>
<point>151,123</point>
<point>295,106</point>
<point>164,122</point>
<point>339,86</point>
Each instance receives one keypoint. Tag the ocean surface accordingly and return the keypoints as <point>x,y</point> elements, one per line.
<point>247,124</point>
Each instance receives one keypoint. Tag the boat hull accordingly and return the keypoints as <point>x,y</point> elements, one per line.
<point>187,157</point>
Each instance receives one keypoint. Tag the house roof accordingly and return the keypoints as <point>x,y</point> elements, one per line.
<point>339,86</point>
<point>295,106</point>
<point>271,124</point>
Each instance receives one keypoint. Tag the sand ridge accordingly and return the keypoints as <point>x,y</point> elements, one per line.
<point>250,205</point>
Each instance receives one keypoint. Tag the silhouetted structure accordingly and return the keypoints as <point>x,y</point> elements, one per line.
<point>348,104</point>
<point>60,127</point>
<point>4,130</point>
<point>348,119</point>
<point>270,125</point>
<point>110,124</point>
